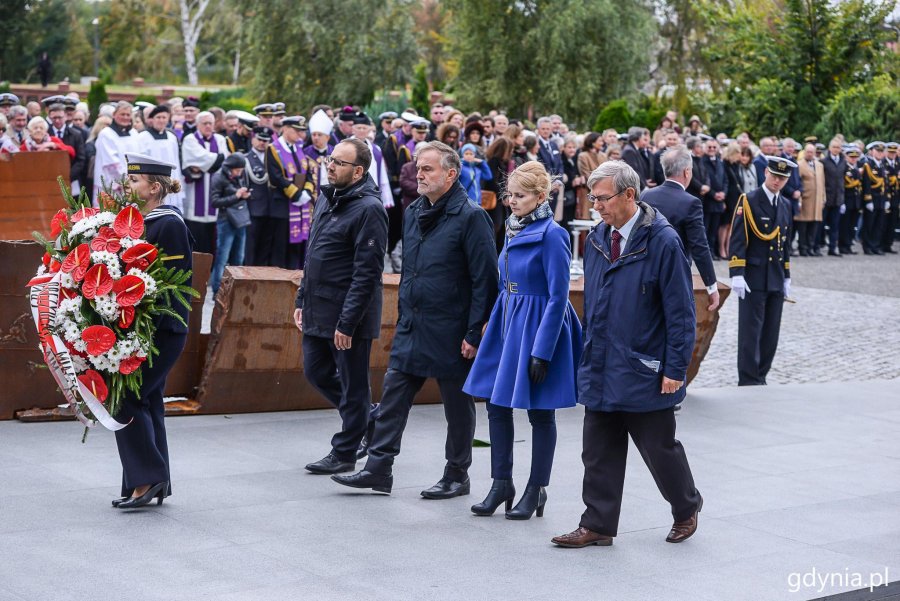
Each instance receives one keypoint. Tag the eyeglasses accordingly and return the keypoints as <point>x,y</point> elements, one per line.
<point>593,198</point>
<point>340,163</point>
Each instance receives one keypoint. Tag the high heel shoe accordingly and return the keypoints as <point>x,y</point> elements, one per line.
<point>501,490</point>
<point>157,491</point>
<point>534,499</point>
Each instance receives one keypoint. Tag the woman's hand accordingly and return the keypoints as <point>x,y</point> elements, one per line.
<point>537,370</point>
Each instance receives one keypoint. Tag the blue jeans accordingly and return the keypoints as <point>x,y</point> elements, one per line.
<point>229,250</point>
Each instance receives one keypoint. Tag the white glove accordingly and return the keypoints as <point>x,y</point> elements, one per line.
<point>304,198</point>
<point>870,206</point>
<point>787,287</point>
<point>739,286</point>
<point>843,209</point>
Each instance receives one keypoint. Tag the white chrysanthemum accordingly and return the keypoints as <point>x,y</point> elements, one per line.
<point>105,218</point>
<point>66,280</point>
<point>111,260</point>
<point>80,345</point>
<point>127,242</point>
<point>79,363</point>
<point>87,228</point>
<point>149,282</point>
<point>105,305</point>
<point>41,270</point>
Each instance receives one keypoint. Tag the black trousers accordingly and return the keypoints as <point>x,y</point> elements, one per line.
<point>605,449</point>
<point>543,443</point>
<point>759,323</point>
<point>142,444</point>
<point>806,233</point>
<point>278,243</point>
<point>396,401</point>
<point>204,236</point>
<point>712,231</point>
<point>343,379</point>
<point>849,222</point>
<point>833,222</point>
<point>395,223</point>
<point>260,238</point>
<point>890,224</point>
<point>872,228</point>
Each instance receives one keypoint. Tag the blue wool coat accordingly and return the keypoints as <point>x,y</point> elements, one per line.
<point>532,317</point>
<point>639,318</point>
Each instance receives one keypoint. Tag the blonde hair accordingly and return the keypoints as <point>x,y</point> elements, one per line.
<point>167,184</point>
<point>732,152</point>
<point>101,122</point>
<point>532,177</point>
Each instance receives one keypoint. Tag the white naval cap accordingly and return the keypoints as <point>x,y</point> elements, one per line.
<point>143,164</point>
<point>320,123</point>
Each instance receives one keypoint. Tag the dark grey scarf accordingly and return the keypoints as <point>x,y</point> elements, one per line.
<point>514,224</point>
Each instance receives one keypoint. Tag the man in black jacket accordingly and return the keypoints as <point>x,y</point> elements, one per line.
<point>632,153</point>
<point>70,136</point>
<point>685,213</point>
<point>447,291</point>
<point>338,305</point>
<point>835,167</point>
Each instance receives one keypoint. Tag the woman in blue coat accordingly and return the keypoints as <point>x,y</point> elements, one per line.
<point>531,348</point>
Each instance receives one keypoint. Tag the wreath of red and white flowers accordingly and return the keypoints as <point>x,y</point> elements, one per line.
<point>95,298</point>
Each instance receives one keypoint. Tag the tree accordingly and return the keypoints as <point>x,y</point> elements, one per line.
<point>318,52</point>
<point>420,94</point>
<point>566,56</point>
<point>868,111</point>
<point>431,22</point>
<point>191,26</point>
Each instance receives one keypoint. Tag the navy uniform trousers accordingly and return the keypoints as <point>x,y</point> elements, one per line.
<point>142,443</point>
<point>604,456</point>
<point>342,377</point>
<point>759,323</point>
<point>400,389</point>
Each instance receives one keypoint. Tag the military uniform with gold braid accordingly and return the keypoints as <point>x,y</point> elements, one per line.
<point>760,264</point>
<point>892,193</point>
<point>874,180</point>
<point>852,201</point>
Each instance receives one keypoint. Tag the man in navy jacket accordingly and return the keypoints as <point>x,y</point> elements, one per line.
<point>638,338</point>
<point>685,213</point>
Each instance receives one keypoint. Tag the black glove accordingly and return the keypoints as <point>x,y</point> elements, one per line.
<point>537,370</point>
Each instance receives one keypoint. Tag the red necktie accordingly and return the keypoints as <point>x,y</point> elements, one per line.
<point>615,249</point>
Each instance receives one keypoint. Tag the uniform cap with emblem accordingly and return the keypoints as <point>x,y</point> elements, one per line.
<point>56,99</point>
<point>245,118</point>
<point>143,104</point>
<point>261,132</point>
<point>409,116</point>
<point>142,164</point>
<point>422,125</point>
<point>892,146</point>
<point>278,108</point>
<point>387,115</point>
<point>295,121</point>
<point>810,139</point>
<point>264,110</point>
<point>852,152</point>
<point>360,118</point>
<point>875,146</point>
<point>780,166</point>
<point>160,108</point>
<point>70,103</point>
<point>319,123</point>
<point>191,101</point>
<point>7,99</point>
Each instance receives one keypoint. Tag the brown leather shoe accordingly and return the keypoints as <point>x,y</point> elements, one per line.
<point>681,531</point>
<point>582,537</point>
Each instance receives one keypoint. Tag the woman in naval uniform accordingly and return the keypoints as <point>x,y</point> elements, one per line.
<point>142,444</point>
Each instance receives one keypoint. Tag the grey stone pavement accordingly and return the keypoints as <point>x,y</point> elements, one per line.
<point>801,481</point>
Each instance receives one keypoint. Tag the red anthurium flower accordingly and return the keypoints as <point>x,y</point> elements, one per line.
<point>99,339</point>
<point>68,293</point>
<point>93,381</point>
<point>106,240</point>
<point>97,281</point>
<point>129,222</point>
<point>126,316</point>
<point>142,253</point>
<point>130,364</point>
<point>82,213</point>
<point>129,290</point>
<point>80,257</point>
<point>58,223</point>
<point>54,266</point>
<point>45,260</point>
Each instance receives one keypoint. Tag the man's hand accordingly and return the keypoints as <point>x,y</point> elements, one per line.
<point>797,194</point>
<point>713,301</point>
<point>843,209</point>
<point>670,386</point>
<point>342,342</point>
<point>739,286</point>
<point>870,206</point>
<point>298,319</point>
<point>468,351</point>
<point>704,189</point>
<point>787,288</point>
<point>720,196</point>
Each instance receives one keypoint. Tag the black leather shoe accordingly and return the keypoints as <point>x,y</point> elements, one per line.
<point>834,253</point>
<point>363,449</point>
<point>157,491</point>
<point>447,489</point>
<point>878,251</point>
<point>366,479</point>
<point>534,499</point>
<point>889,251</point>
<point>501,491</point>
<point>117,502</point>
<point>330,464</point>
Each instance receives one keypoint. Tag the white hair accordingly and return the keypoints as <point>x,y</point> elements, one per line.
<point>622,174</point>
<point>37,121</point>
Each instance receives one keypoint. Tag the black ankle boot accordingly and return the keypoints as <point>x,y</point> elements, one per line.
<point>534,499</point>
<point>501,490</point>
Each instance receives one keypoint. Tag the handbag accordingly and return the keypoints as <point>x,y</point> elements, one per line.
<point>239,214</point>
<point>488,200</point>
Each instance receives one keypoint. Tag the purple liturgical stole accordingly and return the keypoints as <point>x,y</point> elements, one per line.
<point>201,200</point>
<point>299,218</point>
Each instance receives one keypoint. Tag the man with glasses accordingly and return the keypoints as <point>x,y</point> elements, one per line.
<point>338,305</point>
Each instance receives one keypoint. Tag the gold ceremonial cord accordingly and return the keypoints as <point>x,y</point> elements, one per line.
<point>851,183</point>
<point>748,218</point>
<point>877,182</point>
